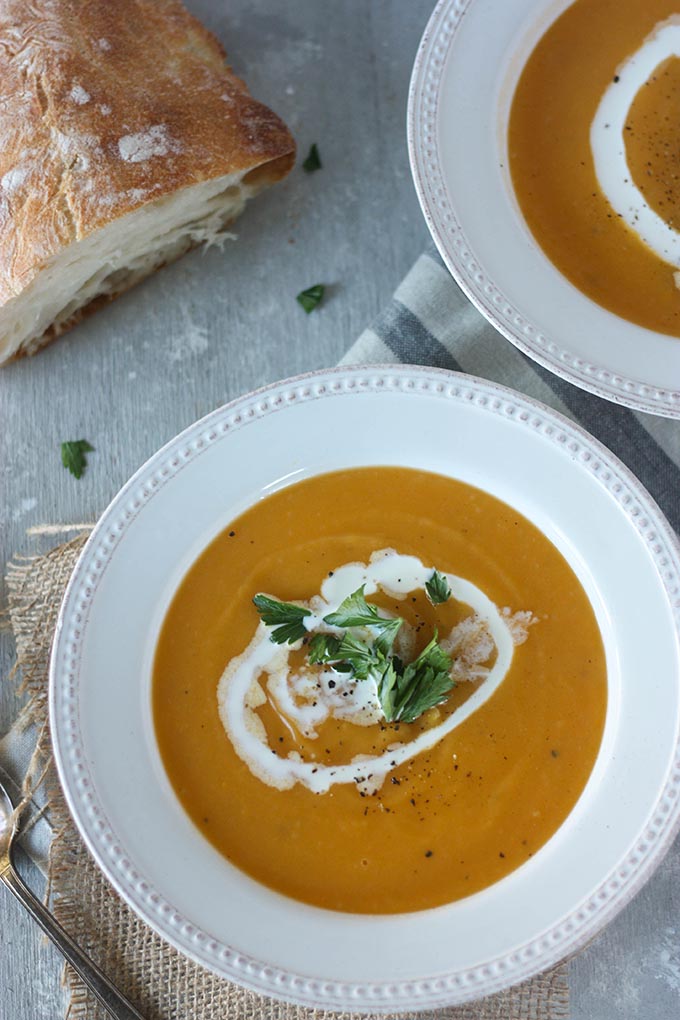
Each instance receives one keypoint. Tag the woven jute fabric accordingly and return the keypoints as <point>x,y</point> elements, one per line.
<point>162,983</point>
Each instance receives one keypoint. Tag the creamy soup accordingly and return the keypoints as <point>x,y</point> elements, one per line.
<point>594,149</point>
<point>290,767</point>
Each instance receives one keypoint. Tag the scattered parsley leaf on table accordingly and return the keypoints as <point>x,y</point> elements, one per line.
<point>311,297</point>
<point>73,455</point>
<point>313,161</point>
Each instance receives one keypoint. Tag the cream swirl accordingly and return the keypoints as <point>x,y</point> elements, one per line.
<point>306,703</point>
<point>608,146</point>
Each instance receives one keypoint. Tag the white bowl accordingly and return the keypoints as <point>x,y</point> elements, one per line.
<point>464,78</point>
<point>551,471</point>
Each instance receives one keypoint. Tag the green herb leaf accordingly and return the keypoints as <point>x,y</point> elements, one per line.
<point>362,657</point>
<point>363,661</point>
<point>355,611</point>
<point>311,297</point>
<point>73,455</point>
<point>437,589</point>
<point>345,654</point>
<point>313,161</point>
<point>424,683</point>
<point>323,648</point>
<point>386,684</point>
<point>385,640</point>
<point>404,692</point>
<point>285,617</point>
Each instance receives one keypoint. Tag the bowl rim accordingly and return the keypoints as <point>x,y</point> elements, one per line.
<point>426,161</point>
<point>545,950</point>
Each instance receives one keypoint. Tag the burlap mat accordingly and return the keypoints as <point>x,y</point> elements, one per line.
<point>159,980</point>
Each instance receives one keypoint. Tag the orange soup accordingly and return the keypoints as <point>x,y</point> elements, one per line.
<point>375,813</point>
<point>594,148</point>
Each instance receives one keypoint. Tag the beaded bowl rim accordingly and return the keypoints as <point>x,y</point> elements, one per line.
<point>534,956</point>
<point>455,248</point>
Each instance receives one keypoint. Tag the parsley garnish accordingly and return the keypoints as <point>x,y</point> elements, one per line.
<point>437,589</point>
<point>311,297</point>
<point>313,161</point>
<point>73,455</point>
<point>285,617</point>
<point>355,611</point>
<point>424,683</point>
<point>404,691</point>
<point>346,654</point>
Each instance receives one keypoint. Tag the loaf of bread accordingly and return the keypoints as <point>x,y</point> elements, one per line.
<point>124,141</point>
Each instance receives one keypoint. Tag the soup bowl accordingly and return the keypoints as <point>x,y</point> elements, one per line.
<point>586,502</point>
<point>464,78</point>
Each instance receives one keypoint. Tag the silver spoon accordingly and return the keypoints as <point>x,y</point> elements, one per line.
<point>113,1001</point>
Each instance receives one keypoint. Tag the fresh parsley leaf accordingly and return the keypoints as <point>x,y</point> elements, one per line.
<point>355,611</point>
<point>285,617</point>
<point>404,692</point>
<point>313,161</point>
<point>345,654</point>
<point>437,589</point>
<point>362,657</point>
<point>311,297</point>
<point>431,690</point>
<point>73,455</point>
<point>385,640</point>
<point>386,684</point>
<point>424,683</point>
<point>363,662</point>
<point>323,648</point>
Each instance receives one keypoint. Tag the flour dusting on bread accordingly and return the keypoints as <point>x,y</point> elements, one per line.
<point>155,141</point>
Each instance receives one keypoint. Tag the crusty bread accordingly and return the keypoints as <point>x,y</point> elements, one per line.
<point>124,140</point>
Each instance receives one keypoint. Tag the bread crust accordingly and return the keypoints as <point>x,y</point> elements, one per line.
<point>107,107</point>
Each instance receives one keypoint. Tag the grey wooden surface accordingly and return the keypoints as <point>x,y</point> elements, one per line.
<point>221,322</point>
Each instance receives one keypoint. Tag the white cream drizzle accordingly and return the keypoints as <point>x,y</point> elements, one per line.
<point>305,700</point>
<point>607,141</point>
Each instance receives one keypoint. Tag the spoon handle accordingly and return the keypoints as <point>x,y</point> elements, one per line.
<point>113,1001</point>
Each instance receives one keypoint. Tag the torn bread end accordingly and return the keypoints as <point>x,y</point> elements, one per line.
<point>116,257</point>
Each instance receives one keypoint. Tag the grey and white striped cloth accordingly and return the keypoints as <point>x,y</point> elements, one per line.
<point>431,322</point>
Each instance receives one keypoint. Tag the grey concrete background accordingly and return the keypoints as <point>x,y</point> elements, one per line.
<point>222,322</point>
